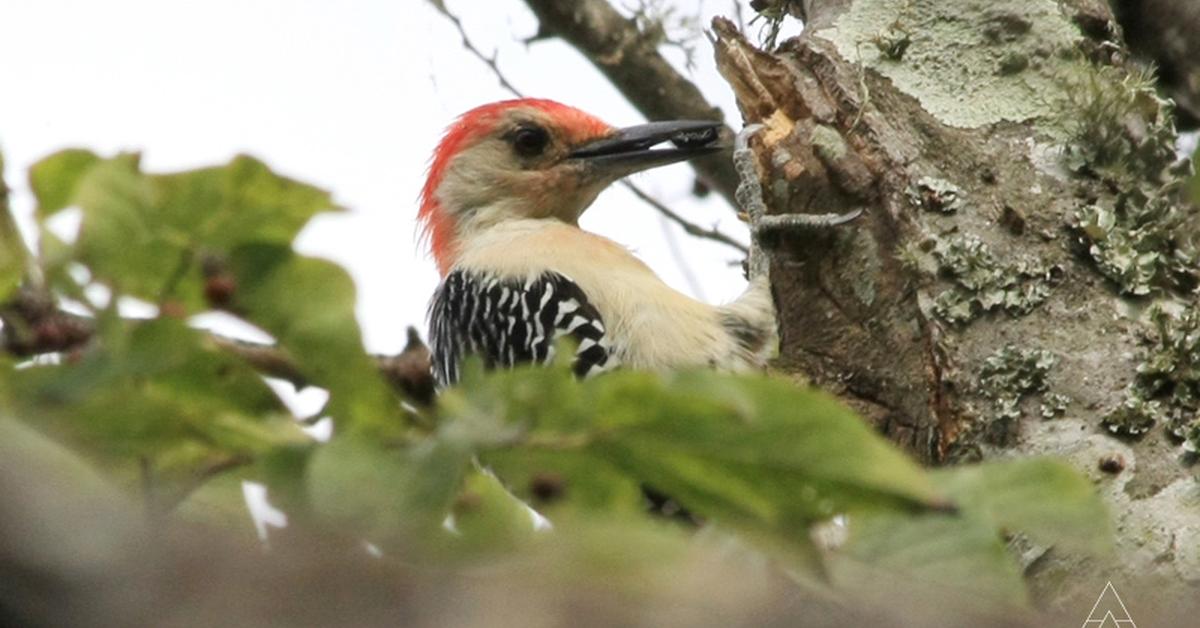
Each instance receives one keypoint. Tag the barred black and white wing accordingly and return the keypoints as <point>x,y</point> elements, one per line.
<point>513,321</point>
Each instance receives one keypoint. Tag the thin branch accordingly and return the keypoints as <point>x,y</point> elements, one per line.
<point>267,359</point>
<point>491,62</point>
<point>407,371</point>
<point>738,18</point>
<point>165,504</point>
<point>34,325</point>
<point>689,227</point>
<point>673,246</point>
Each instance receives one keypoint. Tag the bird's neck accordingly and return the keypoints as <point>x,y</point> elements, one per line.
<point>474,222</point>
<point>523,247</point>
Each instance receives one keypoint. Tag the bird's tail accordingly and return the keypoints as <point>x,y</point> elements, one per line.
<point>750,320</point>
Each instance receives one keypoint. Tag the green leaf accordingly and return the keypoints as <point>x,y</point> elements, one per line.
<point>148,235</point>
<point>393,497</point>
<point>219,503</point>
<point>487,518</point>
<point>748,452</point>
<point>1043,498</point>
<point>13,261</point>
<point>765,429</point>
<point>220,500</point>
<point>151,397</point>
<point>560,482</point>
<point>284,469</point>
<point>122,238</point>
<point>14,254</point>
<point>307,304</point>
<point>955,556</point>
<point>54,179</point>
<point>243,201</point>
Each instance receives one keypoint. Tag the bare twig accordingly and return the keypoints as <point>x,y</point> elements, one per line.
<point>165,504</point>
<point>407,371</point>
<point>673,246</point>
<point>267,359</point>
<point>34,325</point>
<point>738,18</point>
<point>689,227</point>
<point>491,62</point>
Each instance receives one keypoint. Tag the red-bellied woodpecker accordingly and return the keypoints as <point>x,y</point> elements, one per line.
<point>501,205</point>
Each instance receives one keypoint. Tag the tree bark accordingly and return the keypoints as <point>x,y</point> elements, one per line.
<point>973,311</point>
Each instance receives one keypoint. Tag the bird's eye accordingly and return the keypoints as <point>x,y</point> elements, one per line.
<point>530,141</point>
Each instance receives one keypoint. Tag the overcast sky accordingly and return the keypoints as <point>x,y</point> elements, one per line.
<point>351,96</point>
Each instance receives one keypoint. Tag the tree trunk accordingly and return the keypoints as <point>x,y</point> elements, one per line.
<point>1021,217</point>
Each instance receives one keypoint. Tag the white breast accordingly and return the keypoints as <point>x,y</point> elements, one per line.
<point>650,325</point>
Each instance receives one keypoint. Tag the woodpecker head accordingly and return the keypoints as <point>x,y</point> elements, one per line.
<point>534,158</point>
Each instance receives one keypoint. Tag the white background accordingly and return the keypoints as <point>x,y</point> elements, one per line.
<point>351,96</point>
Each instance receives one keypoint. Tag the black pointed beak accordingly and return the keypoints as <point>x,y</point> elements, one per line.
<point>632,149</point>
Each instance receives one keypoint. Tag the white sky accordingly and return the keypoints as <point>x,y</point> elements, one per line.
<point>350,96</point>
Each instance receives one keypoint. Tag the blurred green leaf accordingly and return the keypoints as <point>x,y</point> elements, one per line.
<point>122,238</point>
<point>284,469</point>
<point>1043,498</point>
<point>243,201</point>
<point>220,236</point>
<point>12,263</point>
<point>149,235</point>
<point>959,556</point>
<point>307,304</point>
<point>152,391</point>
<point>560,483</point>
<point>14,254</point>
<point>487,518</point>
<point>55,257</point>
<point>54,179</point>
<point>394,497</point>
<point>220,503</point>
<point>748,452</point>
<point>759,429</point>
